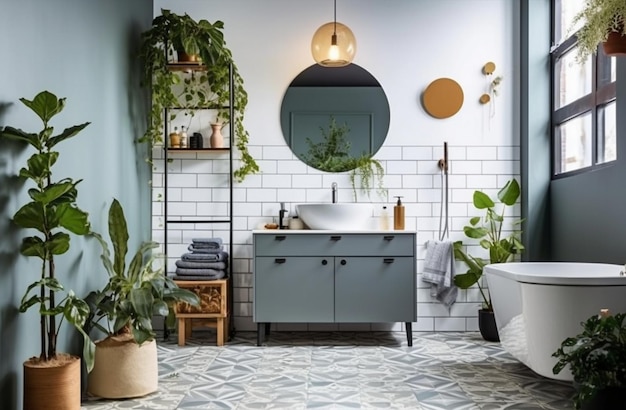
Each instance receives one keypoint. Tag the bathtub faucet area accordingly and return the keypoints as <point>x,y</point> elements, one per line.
<point>334,192</point>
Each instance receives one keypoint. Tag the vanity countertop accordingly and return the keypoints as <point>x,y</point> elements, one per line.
<point>329,231</point>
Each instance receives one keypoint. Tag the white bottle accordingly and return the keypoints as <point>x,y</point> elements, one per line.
<point>384,219</point>
<point>183,137</point>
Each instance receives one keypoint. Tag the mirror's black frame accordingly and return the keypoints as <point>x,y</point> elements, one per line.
<point>350,95</point>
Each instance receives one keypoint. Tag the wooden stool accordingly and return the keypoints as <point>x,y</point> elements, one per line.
<point>212,312</point>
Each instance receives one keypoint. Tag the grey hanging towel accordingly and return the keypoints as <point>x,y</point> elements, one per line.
<point>439,271</point>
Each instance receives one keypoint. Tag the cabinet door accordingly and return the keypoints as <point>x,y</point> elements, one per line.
<point>375,289</point>
<point>293,289</point>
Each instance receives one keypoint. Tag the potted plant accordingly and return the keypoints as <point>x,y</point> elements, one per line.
<point>597,359</point>
<point>602,22</point>
<point>488,230</point>
<point>332,154</point>
<point>207,85</point>
<point>52,212</point>
<point>133,294</point>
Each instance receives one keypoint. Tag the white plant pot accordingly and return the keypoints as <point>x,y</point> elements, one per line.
<point>123,369</point>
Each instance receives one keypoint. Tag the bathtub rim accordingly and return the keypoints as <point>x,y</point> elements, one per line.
<point>504,270</point>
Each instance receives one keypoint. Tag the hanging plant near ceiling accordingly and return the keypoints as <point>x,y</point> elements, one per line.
<point>203,43</point>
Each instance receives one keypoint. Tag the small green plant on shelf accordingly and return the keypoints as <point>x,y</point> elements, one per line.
<point>332,154</point>
<point>202,83</point>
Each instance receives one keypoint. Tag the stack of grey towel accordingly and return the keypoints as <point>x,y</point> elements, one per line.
<point>206,260</point>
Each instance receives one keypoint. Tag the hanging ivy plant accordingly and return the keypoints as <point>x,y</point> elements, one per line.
<point>206,86</point>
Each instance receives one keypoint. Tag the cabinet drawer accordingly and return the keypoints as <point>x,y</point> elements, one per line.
<point>384,244</point>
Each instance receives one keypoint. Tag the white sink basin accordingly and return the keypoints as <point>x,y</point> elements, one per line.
<point>349,216</point>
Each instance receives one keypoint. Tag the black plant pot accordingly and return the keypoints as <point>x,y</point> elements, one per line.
<point>611,398</point>
<point>487,325</point>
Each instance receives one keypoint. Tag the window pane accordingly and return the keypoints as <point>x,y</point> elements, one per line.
<point>607,145</point>
<point>575,140</point>
<point>573,79</point>
<point>566,10</point>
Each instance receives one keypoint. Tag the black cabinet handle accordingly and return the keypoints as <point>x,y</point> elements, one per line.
<point>343,262</point>
<point>280,260</point>
<point>335,237</point>
<point>280,237</point>
<point>324,262</point>
<point>388,260</point>
<point>388,237</point>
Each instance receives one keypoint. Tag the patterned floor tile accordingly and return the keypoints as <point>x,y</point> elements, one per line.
<point>344,370</point>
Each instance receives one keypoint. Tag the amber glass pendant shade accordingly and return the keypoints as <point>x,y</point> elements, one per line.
<point>333,45</point>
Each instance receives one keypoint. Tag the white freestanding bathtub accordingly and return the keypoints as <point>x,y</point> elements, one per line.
<point>537,305</point>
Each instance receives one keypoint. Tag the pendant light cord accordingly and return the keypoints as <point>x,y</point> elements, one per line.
<point>335,19</point>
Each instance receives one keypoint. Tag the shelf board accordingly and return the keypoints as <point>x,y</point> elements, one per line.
<point>225,149</point>
<point>186,66</point>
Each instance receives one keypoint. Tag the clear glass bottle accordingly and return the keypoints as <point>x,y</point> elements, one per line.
<point>183,137</point>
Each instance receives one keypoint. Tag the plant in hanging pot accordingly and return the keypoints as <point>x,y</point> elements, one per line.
<point>597,359</point>
<point>52,212</point>
<point>126,359</point>
<point>602,23</point>
<point>206,86</point>
<point>488,230</point>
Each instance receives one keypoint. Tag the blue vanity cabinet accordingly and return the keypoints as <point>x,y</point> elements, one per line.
<point>334,277</point>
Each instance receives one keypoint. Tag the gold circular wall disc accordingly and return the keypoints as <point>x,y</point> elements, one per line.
<point>443,98</point>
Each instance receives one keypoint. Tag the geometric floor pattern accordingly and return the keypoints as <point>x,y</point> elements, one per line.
<point>344,370</point>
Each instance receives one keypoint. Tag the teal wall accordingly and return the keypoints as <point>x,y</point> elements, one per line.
<point>84,51</point>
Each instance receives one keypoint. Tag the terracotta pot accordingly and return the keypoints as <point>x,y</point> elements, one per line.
<point>217,139</point>
<point>615,45</point>
<point>52,385</point>
<point>187,58</point>
<point>487,325</point>
<point>123,369</point>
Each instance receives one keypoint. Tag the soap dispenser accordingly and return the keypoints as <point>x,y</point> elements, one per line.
<point>384,219</point>
<point>398,215</point>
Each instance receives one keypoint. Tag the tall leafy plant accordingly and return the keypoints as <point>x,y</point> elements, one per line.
<point>599,18</point>
<point>488,231</point>
<point>135,292</point>
<point>207,85</point>
<point>52,212</point>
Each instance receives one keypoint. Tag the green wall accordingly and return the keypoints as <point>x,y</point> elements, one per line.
<point>85,51</point>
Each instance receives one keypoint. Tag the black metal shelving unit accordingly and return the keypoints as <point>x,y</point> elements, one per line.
<point>227,221</point>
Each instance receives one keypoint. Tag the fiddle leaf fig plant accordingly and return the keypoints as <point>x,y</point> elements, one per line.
<point>203,85</point>
<point>134,292</point>
<point>53,213</point>
<point>596,356</point>
<point>488,231</point>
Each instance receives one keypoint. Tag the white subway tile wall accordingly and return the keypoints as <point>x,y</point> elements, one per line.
<point>198,189</point>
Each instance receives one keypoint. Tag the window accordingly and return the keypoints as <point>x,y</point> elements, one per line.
<point>583,98</point>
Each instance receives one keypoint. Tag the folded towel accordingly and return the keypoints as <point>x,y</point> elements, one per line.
<point>190,277</point>
<point>200,272</point>
<point>211,242</point>
<point>205,257</point>
<point>198,248</point>
<point>439,271</point>
<point>201,265</point>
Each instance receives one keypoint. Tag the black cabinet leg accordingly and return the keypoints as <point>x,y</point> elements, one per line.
<point>409,332</point>
<point>260,330</point>
<point>267,329</point>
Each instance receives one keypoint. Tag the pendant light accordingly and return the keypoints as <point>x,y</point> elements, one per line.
<point>333,44</point>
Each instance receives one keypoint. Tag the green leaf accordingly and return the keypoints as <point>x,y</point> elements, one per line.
<point>141,300</point>
<point>118,232</point>
<point>509,193</point>
<point>160,308</point>
<point>67,133</point>
<point>39,165</point>
<point>31,215</point>
<point>17,134</point>
<point>58,244</point>
<point>33,246</point>
<point>482,200</point>
<point>475,233</point>
<point>51,192</point>
<point>466,280</point>
<point>45,105</point>
<point>73,219</point>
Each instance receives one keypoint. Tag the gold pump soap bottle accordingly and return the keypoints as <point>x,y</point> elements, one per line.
<point>398,215</point>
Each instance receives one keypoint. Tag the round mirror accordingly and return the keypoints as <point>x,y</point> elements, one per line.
<point>338,112</point>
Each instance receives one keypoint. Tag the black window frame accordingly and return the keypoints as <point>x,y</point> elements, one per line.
<point>601,94</point>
